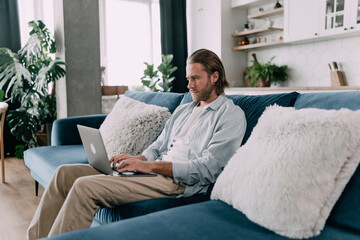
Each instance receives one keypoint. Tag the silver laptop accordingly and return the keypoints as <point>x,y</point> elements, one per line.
<point>96,153</point>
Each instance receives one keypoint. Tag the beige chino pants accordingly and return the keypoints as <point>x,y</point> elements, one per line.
<point>77,191</point>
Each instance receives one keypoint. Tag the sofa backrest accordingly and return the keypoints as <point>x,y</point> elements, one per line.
<point>162,99</point>
<point>346,211</point>
<point>253,106</point>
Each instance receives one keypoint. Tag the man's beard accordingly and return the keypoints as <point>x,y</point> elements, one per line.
<point>204,94</point>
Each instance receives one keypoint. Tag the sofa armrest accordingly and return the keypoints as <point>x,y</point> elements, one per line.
<point>65,132</point>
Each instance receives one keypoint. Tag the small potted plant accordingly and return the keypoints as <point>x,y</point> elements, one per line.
<point>262,75</point>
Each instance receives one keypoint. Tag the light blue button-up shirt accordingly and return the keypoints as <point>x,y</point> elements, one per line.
<point>215,137</point>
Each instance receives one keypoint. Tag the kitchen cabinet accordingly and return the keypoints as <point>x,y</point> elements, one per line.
<point>338,16</point>
<point>308,19</point>
<point>301,19</point>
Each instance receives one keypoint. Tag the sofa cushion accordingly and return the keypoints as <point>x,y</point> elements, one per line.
<point>293,168</point>
<point>162,99</point>
<point>210,220</point>
<point>108,215</point>
<point>329,100</point>
<point>346,211</point>
<point>43,161</point>
<point>254,106</point>
<point>132,126</point>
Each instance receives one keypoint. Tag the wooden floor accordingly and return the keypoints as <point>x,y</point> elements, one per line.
<point>17,200</point>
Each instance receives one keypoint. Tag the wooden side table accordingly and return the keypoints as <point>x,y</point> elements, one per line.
<point>3,109</point>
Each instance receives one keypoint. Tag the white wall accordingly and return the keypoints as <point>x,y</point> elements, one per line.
<point>210,24</point>
<point>308,62</point>
<point>33,10</point>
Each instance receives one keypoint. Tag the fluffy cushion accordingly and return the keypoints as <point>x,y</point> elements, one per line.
<point>255,105</point>
<point>132,126</point>
<point>293,168</point>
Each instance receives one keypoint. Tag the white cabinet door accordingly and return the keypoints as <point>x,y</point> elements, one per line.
<point>354,15</point>
<point>302,19</point>
<point>339,16</point>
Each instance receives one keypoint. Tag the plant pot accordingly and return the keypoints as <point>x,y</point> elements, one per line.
<point>41,138</point>
<point>44,137</point>
<point>264,83</point>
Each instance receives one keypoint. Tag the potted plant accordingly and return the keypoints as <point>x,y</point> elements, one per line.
<point>29,77</point>
<point>151,78</point>
<point>261,75</point>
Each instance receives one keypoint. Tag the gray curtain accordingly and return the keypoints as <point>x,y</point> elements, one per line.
<point>9,25</point>
<point>9,38</point>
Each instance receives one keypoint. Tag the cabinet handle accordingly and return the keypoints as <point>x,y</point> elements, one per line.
<point>351,27</point>
<point>345,29</point>
<point>316,34</point>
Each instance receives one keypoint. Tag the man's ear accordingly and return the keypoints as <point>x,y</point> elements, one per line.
<point>214,77</point>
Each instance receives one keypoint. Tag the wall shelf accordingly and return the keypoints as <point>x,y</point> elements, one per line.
<point>257,45</point>
<point>256,31</point>
<point>266,14</point>
<point>246,4</point>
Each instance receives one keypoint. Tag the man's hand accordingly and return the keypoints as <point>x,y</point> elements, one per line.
<point>132,165</point>
<point>163,168</point>
<point>121,157</point>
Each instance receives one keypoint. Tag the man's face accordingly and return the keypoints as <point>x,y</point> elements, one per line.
<point>200,83</point>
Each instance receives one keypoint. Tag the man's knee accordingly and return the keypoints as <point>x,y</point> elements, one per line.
<point>64,178</point>
<point>82,185</point>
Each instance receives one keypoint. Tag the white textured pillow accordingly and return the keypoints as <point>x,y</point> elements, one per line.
<point>132,126</point>
<point>293,168</point>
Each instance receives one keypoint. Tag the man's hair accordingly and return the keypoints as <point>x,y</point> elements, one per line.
<point>211,63</point>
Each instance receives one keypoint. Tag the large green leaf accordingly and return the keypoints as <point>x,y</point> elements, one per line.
<point>47,74</point>
<point>24,124</point>
<point>46,38</point>
<point>13,74</point>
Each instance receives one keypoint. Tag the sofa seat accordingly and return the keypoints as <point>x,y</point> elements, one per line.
<point>209,220</point>
<point>134,209</point>
<point>43,161</point>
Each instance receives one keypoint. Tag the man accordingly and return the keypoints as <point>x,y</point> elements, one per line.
<point>188,156</point>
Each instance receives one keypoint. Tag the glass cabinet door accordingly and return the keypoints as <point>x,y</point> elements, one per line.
<point>334,14</point>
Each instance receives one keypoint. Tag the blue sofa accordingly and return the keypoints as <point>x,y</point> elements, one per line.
<point>200,218</point>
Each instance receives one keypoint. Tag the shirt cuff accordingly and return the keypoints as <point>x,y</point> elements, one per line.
<point>148,155</point>
<point>180,171</point>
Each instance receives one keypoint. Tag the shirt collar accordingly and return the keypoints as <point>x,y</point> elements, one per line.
<point>214,105</point>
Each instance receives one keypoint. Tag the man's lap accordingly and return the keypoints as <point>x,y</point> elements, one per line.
<point>111,191</point>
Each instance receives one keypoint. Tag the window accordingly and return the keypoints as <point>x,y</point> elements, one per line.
<point>130,36</point>
<point>30,10</point>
